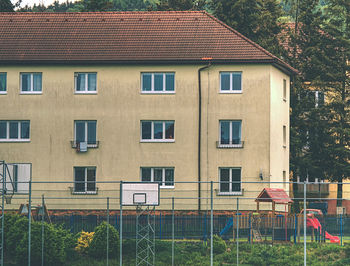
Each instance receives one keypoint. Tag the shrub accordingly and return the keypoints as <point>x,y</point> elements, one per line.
<point>84,242</point>
<point>98,245</point>
<point>219,245</point>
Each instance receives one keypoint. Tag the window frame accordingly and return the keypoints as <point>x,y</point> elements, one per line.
<point>31,91</point>
<point>86,89</point>
<point>230,145</point>
<point>284,136</point>
<point>162,184</point>
<point>85,181</point>
<point>285,90</point>
<point>231,91</point>
<point>86,133</point>
<point>19,125</point>
<point>152,131</point>
<point>153,91</point>
<point>5,75</point>
<point>230,192</point>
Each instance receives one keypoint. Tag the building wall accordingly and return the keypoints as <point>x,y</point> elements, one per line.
<point>118,108</point>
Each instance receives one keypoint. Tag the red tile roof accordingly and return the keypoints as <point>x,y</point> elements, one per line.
<point>277,195</point>
<point>186,36</point>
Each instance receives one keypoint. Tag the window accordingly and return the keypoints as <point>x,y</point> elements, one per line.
<point>284,90</point>
<point>230,180</point>
<point>157,131</point>
<point>17,178</point>
<point>85,82</point>
<point>85,131</point>
<point>230,134</point>
<point>231,82</point>
<point>85,179</point>
<point>164,176</point>
<point>31,83</point>
<point>14,130</point>
<point>284,136</point>
<point>158,82</point>
<point>3,82</point>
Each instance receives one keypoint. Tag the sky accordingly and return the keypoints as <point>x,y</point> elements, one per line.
<point>32,2</point>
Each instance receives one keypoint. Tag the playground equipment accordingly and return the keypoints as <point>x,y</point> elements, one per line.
<point>313,222</point>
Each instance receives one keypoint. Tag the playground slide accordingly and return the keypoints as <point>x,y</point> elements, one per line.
<point>315,223</point>
<point>227,227</point>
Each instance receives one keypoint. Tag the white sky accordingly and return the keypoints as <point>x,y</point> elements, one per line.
<point>32,2</point>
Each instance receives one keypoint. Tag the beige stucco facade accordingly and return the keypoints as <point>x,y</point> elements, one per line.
<point>119,106</point>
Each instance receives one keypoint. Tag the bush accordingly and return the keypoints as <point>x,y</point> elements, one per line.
<point>219,245</point>
<point>98,245</point>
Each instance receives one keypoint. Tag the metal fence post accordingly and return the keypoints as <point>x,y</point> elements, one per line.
<point>29,220</point>
<point>341,229</point>
<point>3,211</point>
<point>211,223</point>
<point>173,232</point>
<point>121,225</point>
<point>304,223</point>
<point>237,230</point>
<point>107,231</point>
<point>42,229</point>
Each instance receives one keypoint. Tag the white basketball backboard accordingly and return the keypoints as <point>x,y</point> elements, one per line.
<point>140,193</point>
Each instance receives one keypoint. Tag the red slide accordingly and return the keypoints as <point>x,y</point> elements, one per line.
<point>315,223</point>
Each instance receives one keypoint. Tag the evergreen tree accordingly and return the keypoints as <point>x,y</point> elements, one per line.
<point>6,6</point>
<point>180,5</point>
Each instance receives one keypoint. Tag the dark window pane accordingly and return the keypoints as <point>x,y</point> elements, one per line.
<point>37,82</point>
<point>80,131</point>
<point>13,130</point>
<point>81,82</point>
<point>146,174</point>
<point>158,175</point>
<point>92,82</point>
<point>225,132</point>
<point>146,82</point>
<point>25,130</point>
<point>236,132</point>
<point>158,82</point>
<point>91,179</point>
<point>146,130</point>
<point>169,82</point>
<point>320,98</point>
<point>236,177</point>
<point>26,82</point>
<point>169,130</point>
<point>79,179</point>
<point>158,130</point>
<point>237,81</point>
<point>3,129</point>
<point>224,180</point>
<point>225,81</point>
<point>169,177</point>
<point>2,81</point>
<point>15,177</point>
<point>91,132</point>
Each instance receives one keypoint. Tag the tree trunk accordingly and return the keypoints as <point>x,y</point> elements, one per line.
<point>340,194</point>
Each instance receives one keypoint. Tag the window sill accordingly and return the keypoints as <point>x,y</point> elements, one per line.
<point>14,140</point>
<point>85,92</point>
<point>230,146</point>
<point>157,141</point>
<point>284,146</point>
<point>237,193</point>
<point>31,92</point>
<point>167,187</point>
<point>3,92</point>
<point>285,100</point>
<point>231,92</point>
<point>157,92</point>
<point>83,192</point>
<point>93,146</point>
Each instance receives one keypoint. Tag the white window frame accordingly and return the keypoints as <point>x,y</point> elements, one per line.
<point>161,185</point>
<point>86,132</point>
<point>31,91</point>
<point>231,91</point>
<point>163,139</point>
<point>85,180</point>
<point>5,91</point>
<point>19,139</point>
<point>230,145</point>
<point>230,192</point>
<point>85,91</point>
<point>152,91</point>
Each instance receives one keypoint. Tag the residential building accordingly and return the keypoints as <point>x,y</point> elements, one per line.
<point>168,97</point>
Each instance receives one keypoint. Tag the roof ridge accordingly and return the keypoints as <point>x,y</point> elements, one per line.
<point>106,12</point>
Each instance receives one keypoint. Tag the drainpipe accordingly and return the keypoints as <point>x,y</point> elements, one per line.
<point>200,129</point>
